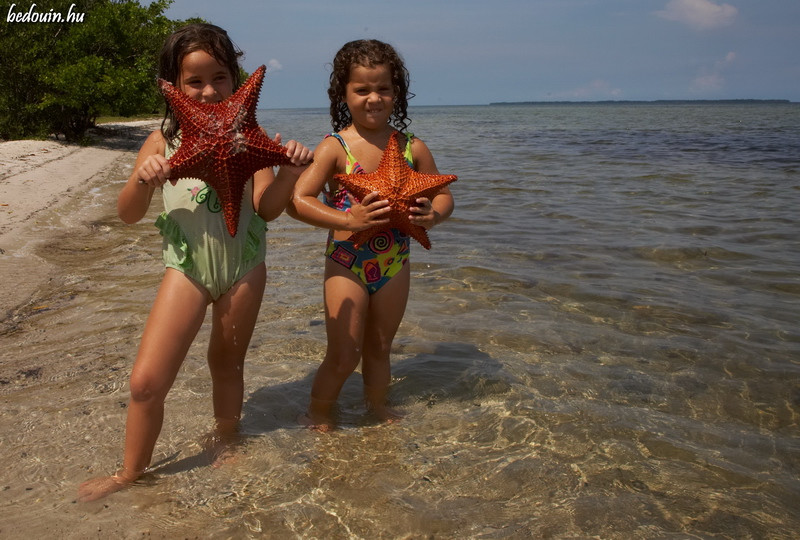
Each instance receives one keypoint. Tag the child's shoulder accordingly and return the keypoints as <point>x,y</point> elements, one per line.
<point>329,154</point>
<point>416,143</point>
<point>412,138</point>
<point>330,142</point>
<point>154,143</point>
<point>420,153</point>
<point>157,136</point>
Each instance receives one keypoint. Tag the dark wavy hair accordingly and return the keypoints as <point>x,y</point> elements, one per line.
<point>187,39</point>
<point>368,53</point>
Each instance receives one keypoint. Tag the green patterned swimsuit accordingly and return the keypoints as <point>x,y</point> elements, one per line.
<point>196,240</point>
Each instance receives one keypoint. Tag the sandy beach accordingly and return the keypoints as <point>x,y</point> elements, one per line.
<point>46,175</point>
<point>48,195</point>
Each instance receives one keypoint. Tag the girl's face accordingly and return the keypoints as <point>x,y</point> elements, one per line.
<point>204,79</point>
<point>369,95</point>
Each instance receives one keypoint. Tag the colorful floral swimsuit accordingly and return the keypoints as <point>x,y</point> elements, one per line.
<point>196,240</point>
<point>378,260</point>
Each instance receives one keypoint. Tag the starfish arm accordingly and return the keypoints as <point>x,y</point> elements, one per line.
<point>266,152</point>
<point>230,194</point>
<point>189,161</point>
<point>420,235</point>
<point>183,106</point>
<point>359,187</point>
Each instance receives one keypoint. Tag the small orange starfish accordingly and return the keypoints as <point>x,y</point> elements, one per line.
<point>222,143</point>
<point>399,184</point>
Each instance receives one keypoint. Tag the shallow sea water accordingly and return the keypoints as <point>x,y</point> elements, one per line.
<point>602,343</point>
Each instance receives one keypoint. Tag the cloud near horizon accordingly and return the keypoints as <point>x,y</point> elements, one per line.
<point>711,80</point>
<point>274,65</point>
<point>699,14</point>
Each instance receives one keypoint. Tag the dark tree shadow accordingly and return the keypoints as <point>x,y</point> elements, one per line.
<point>119,136</point>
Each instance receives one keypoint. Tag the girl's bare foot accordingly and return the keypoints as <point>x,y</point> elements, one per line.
<point>319,416</point>
<point>375,399</point>
<point>387,414</point>
<point>221,444</point>
<point>103,486</point>
<point>323,426</point>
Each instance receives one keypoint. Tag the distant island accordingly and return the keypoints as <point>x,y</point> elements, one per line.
<point>653,102</point>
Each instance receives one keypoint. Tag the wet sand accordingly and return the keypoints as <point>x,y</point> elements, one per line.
<point>41,176</point>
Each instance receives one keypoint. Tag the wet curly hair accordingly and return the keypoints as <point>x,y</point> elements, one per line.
<point>188,39</point>
<point>368,53</point>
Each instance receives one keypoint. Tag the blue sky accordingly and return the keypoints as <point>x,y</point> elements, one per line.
<point>467,52</point>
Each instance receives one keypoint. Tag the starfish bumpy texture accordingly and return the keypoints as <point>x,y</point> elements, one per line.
<point>399,184</point>
<point>222,143</point>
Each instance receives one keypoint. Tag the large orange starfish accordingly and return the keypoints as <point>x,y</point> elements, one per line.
<point>222,143</point>
<point>399,184</point>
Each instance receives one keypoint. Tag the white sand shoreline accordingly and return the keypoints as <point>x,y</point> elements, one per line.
<point>39,175</point>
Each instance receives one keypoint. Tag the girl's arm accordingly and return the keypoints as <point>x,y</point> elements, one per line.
<point>271,192</point>
<point>428,212</point>
<point>305,205</point>
<point>150,171</point>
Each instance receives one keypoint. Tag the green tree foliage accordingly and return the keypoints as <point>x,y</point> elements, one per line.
<point>59,76</point>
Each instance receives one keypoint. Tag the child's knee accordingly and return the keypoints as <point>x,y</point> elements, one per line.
<point>145,388</point>
<point>344,365</point>
<point>224,367</point>
<point>376,350</point>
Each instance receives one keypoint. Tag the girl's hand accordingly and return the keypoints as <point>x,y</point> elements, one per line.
<point>423,214</point>
<point>296,152</point>
<point>368,213</point>
<point>154,171</point>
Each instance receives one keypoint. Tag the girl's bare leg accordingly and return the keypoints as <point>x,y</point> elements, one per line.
<point>234,317</point>
<point>346,303</point>
<point>175,318</point>
<point>386,310</point>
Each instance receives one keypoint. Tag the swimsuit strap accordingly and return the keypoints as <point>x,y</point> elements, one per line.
<point>407,152</point>
<point>353,166</point>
